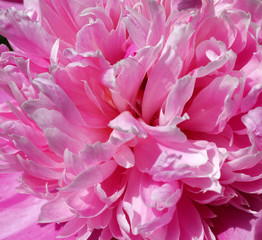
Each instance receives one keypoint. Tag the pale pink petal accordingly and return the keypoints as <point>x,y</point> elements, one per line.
<point>100,221</point>
<point>53,17</point>
<point>180,93</point>
<point>126,72</point>
<point>92,176</point>
<point>60,99</point>
<point>33,152</point>
<point>148,55</point>
<point>139,223</point>
<point>253,123</point>
<point>126,123</point>
<point>160,81</point>
<point>25,33</point>
<point>96,33</point>
<point>58,141</point>
<point>79,202</point>
<point>55,210</point>
<point>217,116</point>
<point>137,26</point>
<point>157,23</point>
<point>124,157</point>
<point>168,133</point>
<point>72,227</point>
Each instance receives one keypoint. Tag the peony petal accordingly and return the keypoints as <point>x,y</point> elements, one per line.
<point>157,23</point>
<point>132,119</point>
<point>160,82</point>
<point>124,157</point>
<point>97,35</point>
<point>126,123</point>
<point>136,23</point>
<point>7,4</point>
<point>92,176</point>
<point>25,33</point>
<point>177,98</point>
<point>217,116</point>
<point>150,219</point>
<point>128,71</point>
<point>55,211</point>
<point>79,202</point>
<point>34,153</point>
<point>72,227</point>
<point>173,231</point>
<point>60,99</point>
<point>59,141</point>
<point>52,21</point>
<point>37,170</point>
<point>242,225</point>
<point>189,220</point>
<point>26,208</point>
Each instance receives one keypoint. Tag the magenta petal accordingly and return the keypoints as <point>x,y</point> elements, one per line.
<point>26,208</point>
<point>232,223</point>
<point>189,219</point>
<point>18,4</point>
<point>183,5</point>
<point>40,231</point>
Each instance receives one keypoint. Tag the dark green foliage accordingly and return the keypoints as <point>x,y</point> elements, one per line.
<point>3,40</point>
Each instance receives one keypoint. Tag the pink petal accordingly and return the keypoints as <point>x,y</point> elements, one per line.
<point>60,99</point>
<point>55,211</point>
<point>217,116</point>
<point>157,23</point>
<point>19,213</point>
<point>127,124</point>
<point>232,223</point>
<point>124,157</point>
<point>53,20</point>
<point>8,4</point>
<point>189,220</point>
<point>72,227</point>
<point>136,23</point>
<point>180,93</point>
<point>92,176</point>
<point>25,33</point>
<point>160,81</point>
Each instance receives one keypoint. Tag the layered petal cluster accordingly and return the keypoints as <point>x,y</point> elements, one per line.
<point>131,119</point>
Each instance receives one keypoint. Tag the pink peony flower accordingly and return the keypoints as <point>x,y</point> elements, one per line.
<point>131,120</point>
<point>11,3</point>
